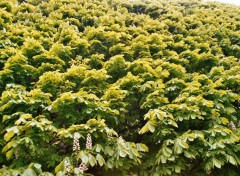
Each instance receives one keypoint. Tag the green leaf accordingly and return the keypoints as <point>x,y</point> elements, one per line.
<point>177,169</point>
<point>108,150</point>
<point>100,159</point>
<point>167,151</point>
<point>92,160</point>
<point>156,174</point>
<point>29,172</point>
<point>216,163</point>
<point>163,159</point>
<point>84,157</point>
<point>172,158</point>
<point>110,164</point>
<point>122,153</point>
<point>142,147</point>
<point>60,173</point>
<point>177,148</point>
<point>188,154</point>
<point>232,160</point>
<point>36,165</point>
<point>151,127</point>
<point>98,148</point>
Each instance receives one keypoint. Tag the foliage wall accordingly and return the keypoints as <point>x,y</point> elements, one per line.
<point>118,87</point>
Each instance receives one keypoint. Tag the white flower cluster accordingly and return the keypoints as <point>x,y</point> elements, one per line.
<point>76,145</point>
<point>82,167</point>
<point>232,125</point>
<point>16,154</point>
<point>68,168</point>
<point>89,142</point>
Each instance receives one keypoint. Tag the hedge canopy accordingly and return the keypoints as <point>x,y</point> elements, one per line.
<point>119,87</point>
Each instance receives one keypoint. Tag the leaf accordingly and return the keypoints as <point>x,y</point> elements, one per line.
<point>165,73</point>
<point>29,172</point>
<point>209,104</point>
<point>144,129</point>
<point>36,165</point>
<point>59,167</point>
<point>173,123</point>
<point>9,145</point>
<point>183,144</point>
<point>172,158</point>
<point>156,174</point>
<point>177,148</point>
<point>9,154</point>
<point>110,164</point>
<point>60,173</point>
<point>135,152</point>
<point>108,150</point>
<point>216,163</point>
<point>92,160</point>
<point>150,126</point>
<point>167,151</point>
<point>188,154</point>
<point>98,148</point>
<point>163,159</point>
<point>84,157</point>
<point>177,169</point>
<point>100,159</point>
<point>9,135</point>
<point>224,121</point>
<point>232,160</point>
<point>6,117</point>
<point>142,147</point>
<point>122,153</point>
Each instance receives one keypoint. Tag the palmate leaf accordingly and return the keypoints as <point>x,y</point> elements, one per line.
<point>149,126</point>
<point>156,117</point>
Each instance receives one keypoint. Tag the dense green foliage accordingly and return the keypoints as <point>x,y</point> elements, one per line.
<point>119,87</point>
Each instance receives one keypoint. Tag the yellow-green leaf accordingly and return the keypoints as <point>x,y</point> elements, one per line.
<point>224,121</point>
<point>9,154</point>
<point>144,129</point>
<point>9,135</point>
<point>59,167</point>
